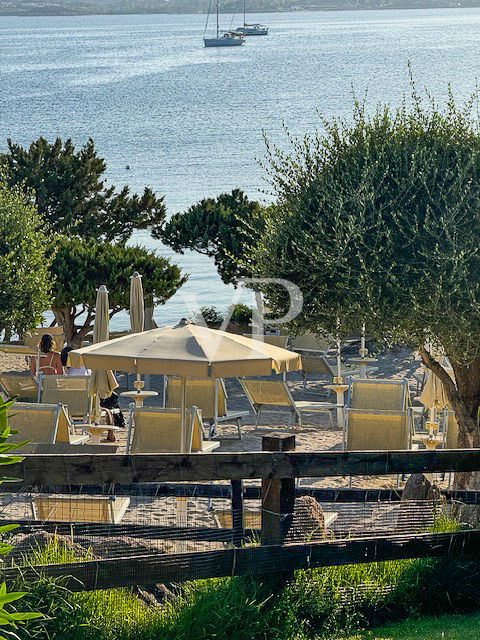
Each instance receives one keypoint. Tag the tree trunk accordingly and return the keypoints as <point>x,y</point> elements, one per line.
<point>74,334</point>
<point>465,401</point>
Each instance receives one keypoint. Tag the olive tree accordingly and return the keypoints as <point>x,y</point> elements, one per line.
<point>378,219</point>
<point>24,275</point>
<point>79,267</point>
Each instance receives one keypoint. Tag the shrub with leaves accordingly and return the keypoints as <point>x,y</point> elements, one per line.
<point>377,219</point>
<point>8,616</point>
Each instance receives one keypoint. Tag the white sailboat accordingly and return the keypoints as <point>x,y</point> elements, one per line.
<point>223,38</point>
<point>251,29</point>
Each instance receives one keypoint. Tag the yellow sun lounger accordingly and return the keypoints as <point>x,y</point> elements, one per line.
<point>158,430</point>
<point>368,430</point>
<point>378,394</point>
<point>21,385</point>
<point>71,391</point>
<point>274,395</point>
<point>72,508</point>
<point>33,338</point>
<point>42,424</point>
<point>209,395</point>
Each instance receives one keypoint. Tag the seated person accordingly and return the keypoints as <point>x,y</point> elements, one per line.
<point>50,363</point>
<point>73,371</point>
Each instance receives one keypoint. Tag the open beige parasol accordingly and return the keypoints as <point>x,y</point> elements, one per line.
<point>188,351</point>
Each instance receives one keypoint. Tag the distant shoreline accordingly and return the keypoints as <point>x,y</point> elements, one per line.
<point>53,14</point>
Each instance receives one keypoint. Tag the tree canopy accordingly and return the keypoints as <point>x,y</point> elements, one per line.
<point>221,228</point>
<point>80,267</point>
<point>24,276</point>
<point>70,191</point>
<point>378,220</point>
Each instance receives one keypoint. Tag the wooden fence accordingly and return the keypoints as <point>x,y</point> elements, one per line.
<point>276,468</point>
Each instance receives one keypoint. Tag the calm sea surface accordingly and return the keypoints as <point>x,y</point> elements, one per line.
<point>189,120</point>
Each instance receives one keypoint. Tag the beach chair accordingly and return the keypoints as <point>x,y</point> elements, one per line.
<point>378,395</point>
<point>311,342</point>
<point>73,508</point>
<point>21,385</point>
<point>368,430</point>
<point>158,430</point>
<point>32,338</point>
<point>209,395</point>
<point>274,395</point>
<point>42,424</point>
<point>71,391</point>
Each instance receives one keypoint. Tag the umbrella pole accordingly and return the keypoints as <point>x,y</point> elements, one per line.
<point>184,407</point>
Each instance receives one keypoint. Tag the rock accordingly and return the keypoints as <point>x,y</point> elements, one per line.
<point>419,505</point>
<point>155,594</point>
<point>120,546</point>
<point>38,542</point>
<point>308,522</point>
<point>418,487</point>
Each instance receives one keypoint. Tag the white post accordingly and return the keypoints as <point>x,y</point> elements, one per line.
<point>339,361</point>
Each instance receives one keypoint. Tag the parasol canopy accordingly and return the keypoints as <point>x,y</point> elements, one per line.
<point>188,351</point>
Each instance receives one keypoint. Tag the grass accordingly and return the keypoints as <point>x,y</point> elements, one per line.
<point>319,604</point>
<point>455,627</point>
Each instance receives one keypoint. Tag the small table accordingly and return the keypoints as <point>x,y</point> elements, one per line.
<point>96,430</point>
<point>139,396</point>
<point>430,442</point>
<point>339,389</point>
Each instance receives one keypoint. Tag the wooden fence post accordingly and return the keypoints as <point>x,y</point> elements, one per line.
<point>278,495</point>
<point>238,524</point>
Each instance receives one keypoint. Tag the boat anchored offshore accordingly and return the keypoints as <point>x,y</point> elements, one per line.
<point>251,29</point>
<point>223,38</point>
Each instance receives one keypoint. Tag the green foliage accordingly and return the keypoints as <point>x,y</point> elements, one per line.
<point>9,616</point>
<point>211,316</point>
<point>378,219</point>
<point>24,278</point>
<point>71,193</point>
<point>222,228</point>
<point>80,267</point>
<point>240,314</point>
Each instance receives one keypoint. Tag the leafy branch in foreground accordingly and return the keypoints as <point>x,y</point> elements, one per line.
<point>9,618</point>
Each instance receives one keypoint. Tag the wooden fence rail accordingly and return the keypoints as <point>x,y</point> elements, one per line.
<point>152,568</point>
<point>97,469</point>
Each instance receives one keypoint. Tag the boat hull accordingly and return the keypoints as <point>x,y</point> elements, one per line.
<point>245,31</point>
<point>223,42</point>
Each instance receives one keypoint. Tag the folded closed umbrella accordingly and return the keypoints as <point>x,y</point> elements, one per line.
<point>102,382</point>
<point>137,313</point>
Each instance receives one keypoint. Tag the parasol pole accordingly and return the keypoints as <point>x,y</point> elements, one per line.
<point>183,408</point>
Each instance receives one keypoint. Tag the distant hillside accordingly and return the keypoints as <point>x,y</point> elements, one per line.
<point>85,7</point>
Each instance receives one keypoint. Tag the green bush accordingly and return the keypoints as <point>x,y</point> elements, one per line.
<point>240,314</point>
<point>210,315</point>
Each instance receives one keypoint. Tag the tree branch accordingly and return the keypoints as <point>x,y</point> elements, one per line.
<point>441,373</point>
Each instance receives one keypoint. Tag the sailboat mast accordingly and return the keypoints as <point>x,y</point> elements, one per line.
<point>218,28</point>
<point>244,13</point>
